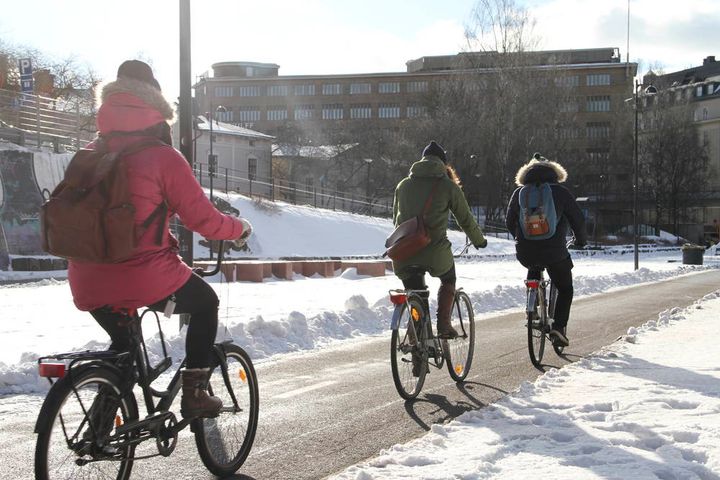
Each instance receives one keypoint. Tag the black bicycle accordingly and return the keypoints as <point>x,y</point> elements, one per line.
<point>540,310</point>
<point>414,347</point>
<point>89,425</point>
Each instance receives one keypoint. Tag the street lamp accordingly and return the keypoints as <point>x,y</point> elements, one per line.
<point>477,211</point>
<point>649,90</point>
<point>367,182</point>
<point>212,159</point>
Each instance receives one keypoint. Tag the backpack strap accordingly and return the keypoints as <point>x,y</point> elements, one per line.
<point>160,212</point>
<point>429,199</point>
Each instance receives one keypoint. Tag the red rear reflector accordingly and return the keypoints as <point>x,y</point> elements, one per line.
<point>532,283</point>
<point>52,370</point>
<point>398,299</point>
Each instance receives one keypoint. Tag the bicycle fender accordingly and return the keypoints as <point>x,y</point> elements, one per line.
<point>532,297</point>
<point>395,323</point>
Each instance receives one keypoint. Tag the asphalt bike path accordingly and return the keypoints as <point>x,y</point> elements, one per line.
<point>325,410</point>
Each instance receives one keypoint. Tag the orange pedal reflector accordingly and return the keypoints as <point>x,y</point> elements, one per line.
<point>415,314</point>
<point>242,375</point>
<point>118,421</point>
<point>458,369</point>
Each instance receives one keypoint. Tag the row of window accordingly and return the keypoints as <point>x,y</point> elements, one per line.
<point>335,111</point>
<point>591,80</point>
<point>308,89</point>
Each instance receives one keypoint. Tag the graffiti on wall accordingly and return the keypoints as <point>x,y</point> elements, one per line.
<point>26,179</point>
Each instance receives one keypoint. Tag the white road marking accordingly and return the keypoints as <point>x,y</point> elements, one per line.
<point>309,388</point>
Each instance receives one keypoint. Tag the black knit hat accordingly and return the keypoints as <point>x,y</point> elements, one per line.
<point>436,150</point>
<point>139,71</point>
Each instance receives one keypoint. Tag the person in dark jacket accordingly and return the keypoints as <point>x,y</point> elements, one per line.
<point>552,253</point>
<point>432,171</point>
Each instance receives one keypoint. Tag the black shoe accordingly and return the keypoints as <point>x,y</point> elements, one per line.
<point>416,364</point>
<point>558,338</point>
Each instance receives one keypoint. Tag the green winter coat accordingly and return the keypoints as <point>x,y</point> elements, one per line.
<point>410,196</point>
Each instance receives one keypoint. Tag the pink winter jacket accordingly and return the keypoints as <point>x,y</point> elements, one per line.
<point>156,174</point>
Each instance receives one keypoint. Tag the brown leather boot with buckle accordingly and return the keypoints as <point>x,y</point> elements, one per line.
<point>446,297</point>
<point>195,400</point>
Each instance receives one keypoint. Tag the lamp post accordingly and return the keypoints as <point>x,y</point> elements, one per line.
<point>477,211</point>
<point>649,90</point>
<point>367,181</point>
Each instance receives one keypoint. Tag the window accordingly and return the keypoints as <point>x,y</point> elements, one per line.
<point>331,89</point>
<point>307,89</point>
<point>363,110</point>
<point>705,113</point>
<point>598,156</point>
<point>252,168</point>
<point>598,129</point>
<point>389,110</point>
<point>249,91</point>
<point>598,103</point>
<point>568,132</point>
<point>332,111</point>
<point>569,107</point>
<point>304,112</point>
<point>699,91</point>
<point>414,111</point>
<point>417,87</point>
<point>569,81</point>
<point>389,87</point>
<point>277,90</point>
<point>277,113</point>
<point>249,114</point>
<point>359,88</point>
<point>223,91</point>
<point>595,79</point>
<point>224,116</point>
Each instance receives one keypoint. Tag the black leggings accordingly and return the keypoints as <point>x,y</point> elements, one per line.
<point>416,281</point>
<point>198,299</point>
<point>561,275</point>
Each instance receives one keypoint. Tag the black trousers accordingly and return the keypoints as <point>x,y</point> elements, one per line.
<point>416,281</point>
<point>561,275</point>
<point>195,297</point>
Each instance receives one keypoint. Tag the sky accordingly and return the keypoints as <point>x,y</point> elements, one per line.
<point>326,36</point>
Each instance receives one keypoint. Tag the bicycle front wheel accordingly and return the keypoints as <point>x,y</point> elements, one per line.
<point>536,323</point>
<point>408,355</point>
<point>224,442</point>
<point>77,424</point>
<point>459,351</point>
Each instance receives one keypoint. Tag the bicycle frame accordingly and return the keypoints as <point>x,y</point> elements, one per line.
<point>401,298</point>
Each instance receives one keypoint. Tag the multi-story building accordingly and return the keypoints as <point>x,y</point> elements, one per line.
<point>700,86</point>
<point>256,96</point>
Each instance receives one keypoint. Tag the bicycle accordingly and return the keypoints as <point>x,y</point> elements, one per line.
<point>413,338</point>
<point>89,425</point>
<point>540,310</point>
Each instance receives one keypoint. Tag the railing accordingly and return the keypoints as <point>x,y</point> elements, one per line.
<point>230,180</point>
<point>28,119</point>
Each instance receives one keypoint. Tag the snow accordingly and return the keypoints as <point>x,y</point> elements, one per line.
<point>647,406</point>
<point>644,407</point>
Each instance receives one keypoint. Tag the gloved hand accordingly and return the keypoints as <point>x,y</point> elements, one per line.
<point>483,244</point>
<point>247,231</point>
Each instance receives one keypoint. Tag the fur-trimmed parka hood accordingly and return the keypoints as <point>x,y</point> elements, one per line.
<point>540,171</point>
<point>129,105</point>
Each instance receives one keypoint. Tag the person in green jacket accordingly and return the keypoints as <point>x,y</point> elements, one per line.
<point>432,171</point>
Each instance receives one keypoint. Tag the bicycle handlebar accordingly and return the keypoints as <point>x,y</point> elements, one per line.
<point>216,270</point>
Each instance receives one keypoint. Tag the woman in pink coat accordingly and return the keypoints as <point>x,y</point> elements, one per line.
<point>133,110</point>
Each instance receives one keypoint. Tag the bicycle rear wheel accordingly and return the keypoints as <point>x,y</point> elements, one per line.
<point>459,351</point>
<point>536,329</point>
<point>551,313</point>
<point>409,340</point>
<point>77,419</point>
<point>224,442</point>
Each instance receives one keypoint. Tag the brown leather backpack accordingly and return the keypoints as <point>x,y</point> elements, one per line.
<point>89,216</point>
<point>410,236</point>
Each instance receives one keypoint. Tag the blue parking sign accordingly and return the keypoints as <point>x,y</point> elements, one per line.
<point>26,77</point>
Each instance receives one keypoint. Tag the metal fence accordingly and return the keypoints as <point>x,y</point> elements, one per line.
<point>28,119</point>
<point>230,180</point>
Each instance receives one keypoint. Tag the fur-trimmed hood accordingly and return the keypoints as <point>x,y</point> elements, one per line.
<point>129,105</point>
<point>540,171</point>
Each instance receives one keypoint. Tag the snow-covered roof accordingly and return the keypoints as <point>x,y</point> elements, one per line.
<point>229,129</point>
<point>322,152</point>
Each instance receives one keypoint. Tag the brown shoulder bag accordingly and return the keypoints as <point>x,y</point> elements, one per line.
<point>410,236</point>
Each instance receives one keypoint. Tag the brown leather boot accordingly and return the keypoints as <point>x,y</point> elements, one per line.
<point>195,400</point>
<point>446,297</point>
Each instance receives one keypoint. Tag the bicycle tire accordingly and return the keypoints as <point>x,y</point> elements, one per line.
<point>408,339</point>
<point>68,407</point>
<point>559,349</point>
<point>536,336</point>
<point>459,351</point>
<point>224,442</point>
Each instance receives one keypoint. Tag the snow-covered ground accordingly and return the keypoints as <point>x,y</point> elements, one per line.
<point>645,407</point>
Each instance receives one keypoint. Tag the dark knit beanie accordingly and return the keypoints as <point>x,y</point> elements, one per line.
<point>139,71</point>
<point>436,150</point>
